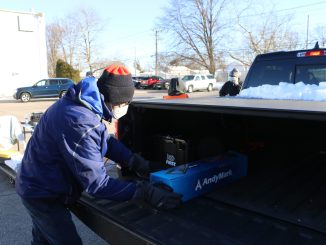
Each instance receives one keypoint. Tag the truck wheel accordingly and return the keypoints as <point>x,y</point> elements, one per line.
<point>62,93</point>
<point>190,89</point>
<point>210,87</point>
<point>25,97</point>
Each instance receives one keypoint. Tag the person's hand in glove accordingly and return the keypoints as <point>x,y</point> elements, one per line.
<point>141,166</point>
<point>157,196</point>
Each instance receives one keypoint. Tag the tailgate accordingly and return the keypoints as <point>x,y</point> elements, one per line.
<point>202,220</point>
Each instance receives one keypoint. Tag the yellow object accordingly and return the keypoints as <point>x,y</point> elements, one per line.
<point>8,153</point>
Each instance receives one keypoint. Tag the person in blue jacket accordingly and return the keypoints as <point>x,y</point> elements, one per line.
<point>64,157</point>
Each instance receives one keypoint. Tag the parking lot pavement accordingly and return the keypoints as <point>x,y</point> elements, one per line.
<point>15,224</point>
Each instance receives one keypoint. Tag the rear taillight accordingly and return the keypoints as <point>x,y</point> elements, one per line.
<point>311,53</point>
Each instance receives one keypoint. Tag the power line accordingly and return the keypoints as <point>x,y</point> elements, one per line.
<point>283,10</point>
<point>301,6</point>
<point>247,16</point>
<point>221,50</point>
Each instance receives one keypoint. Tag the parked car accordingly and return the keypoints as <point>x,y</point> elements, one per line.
<point>137,80</point>
<point>195,82</point>
<point>162,84</point>
<point>45,88</point>
<point>148,82</point>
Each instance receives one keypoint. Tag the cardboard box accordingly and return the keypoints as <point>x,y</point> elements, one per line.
<point>200,177</point>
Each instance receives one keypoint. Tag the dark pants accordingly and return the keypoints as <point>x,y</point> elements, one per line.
<point>52,223</point>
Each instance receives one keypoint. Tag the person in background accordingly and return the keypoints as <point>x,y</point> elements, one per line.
<point>64,157</point>
<point>89,74</point>
<point>232,86</point>
<point>174,87</point>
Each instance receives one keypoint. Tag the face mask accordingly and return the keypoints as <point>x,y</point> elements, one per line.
<point>118,112</point>
<point>235,80</point>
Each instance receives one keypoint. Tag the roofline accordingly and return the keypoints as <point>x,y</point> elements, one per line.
<point>290,51</point>
<point>21,12</point>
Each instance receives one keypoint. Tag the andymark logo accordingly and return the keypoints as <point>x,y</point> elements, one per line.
<point>212,180</point>
<point>170,160</point>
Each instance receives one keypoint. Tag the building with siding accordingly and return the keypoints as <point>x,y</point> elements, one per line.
<point>23,50</point>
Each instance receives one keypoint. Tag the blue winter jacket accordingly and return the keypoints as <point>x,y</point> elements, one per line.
<point>65,153</point>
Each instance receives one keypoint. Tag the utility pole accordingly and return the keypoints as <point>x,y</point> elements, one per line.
<point>135,62</point>
<point>307,38</point>
<point>156,58</point>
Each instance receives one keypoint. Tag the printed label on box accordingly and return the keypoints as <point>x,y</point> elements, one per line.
<point>201,183</point>
<point>200,177</point>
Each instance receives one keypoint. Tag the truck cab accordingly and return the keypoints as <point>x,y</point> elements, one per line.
<point>306,66</point>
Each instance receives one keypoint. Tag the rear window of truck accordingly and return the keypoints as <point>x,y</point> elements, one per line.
<point>274,72</point>
<point>271,72</point>
<point>310,74</point>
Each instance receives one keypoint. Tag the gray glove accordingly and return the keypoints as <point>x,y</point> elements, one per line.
<point>157,196</point>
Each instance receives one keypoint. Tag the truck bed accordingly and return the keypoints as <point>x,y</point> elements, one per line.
<point>281,201</point>
<point>266,207</point>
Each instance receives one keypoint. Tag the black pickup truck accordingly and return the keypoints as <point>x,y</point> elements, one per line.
<point>282,200</point>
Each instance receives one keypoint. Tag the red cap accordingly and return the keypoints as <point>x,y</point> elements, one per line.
<point>117,70</point>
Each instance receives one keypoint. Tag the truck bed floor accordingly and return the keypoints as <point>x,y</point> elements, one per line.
<point>266,207</point>
<point>290,191</point>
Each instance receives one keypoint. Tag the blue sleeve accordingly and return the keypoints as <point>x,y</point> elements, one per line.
<point>82,151</point>
<point>118,152</point>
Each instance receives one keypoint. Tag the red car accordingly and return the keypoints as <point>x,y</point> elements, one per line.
<point>150,81</point>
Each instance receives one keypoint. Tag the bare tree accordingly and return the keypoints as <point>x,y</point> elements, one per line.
<point>195,26</point>
<point>137,66</point>
<point>270,33</point>
<point>54,34</point>
<point>320,35</point>
<point>89,26</point>
<point>74,40</point>
<point>62,43</point>
<point>70,40</point>
<point>167,59</point>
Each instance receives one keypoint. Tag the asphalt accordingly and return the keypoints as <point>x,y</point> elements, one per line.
<point>15,223</point>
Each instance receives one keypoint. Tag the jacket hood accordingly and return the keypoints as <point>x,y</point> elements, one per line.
<point>87,94</point>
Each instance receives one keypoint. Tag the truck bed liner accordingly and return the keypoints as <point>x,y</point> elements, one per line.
<point>292,192</point>
<point>264,207</point>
